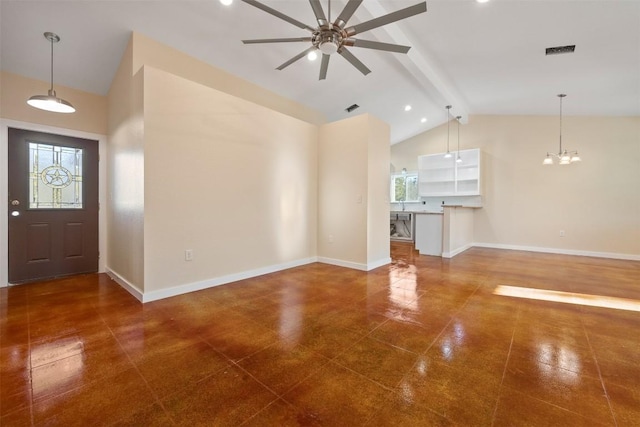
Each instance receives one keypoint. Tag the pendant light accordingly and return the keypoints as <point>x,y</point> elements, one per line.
<point>565,157</point>
<point>51,102</point>
<point>448,154</point>
<point>458,159</point>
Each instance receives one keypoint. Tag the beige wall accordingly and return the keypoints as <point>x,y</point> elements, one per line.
<point>193,167</point>
<point>232,181</point>
<point>352,165</point>
<point>91,109</point>
<point>596,202</point>
<point>378,248</point>
<point>125,206</point>
<point>150,52</point>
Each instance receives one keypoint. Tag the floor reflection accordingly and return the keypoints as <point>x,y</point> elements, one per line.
<point>452,340</point>
<point>568,297</point>
<point>558,363</point>
<point>64,364</point>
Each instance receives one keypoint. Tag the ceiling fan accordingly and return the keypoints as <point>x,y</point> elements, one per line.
<point>330,38</point>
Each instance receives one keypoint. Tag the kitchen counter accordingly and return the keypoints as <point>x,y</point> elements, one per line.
<point>445,232</point>
<point>418,212</point>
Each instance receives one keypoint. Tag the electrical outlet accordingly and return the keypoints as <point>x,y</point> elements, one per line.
<point>359,198</point>
<point>330,238</point>
<point>561,233</point>
<point>188,255</point>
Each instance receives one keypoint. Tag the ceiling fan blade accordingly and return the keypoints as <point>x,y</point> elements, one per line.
<point>317,10</point>
<point>354,61</point>
<point>278,14</point>
<point>324,66</point>
<point>294,39</point>
<point>387,19</point>
<point>347,13</point>
<point>295,58</point>
<point>368,44</point>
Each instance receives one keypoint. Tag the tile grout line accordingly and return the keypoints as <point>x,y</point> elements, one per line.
<point>506,363</point>
<point>153,393</point>
<point>444,328</point>
<point>595,359</point>
<point>29,350</point>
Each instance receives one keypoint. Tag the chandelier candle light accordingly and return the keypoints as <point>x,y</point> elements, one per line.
<point>564,156</point>
<point>51,102</point>
<point>448,154</point>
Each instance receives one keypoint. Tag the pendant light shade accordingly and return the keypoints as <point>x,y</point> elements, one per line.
<point>448,154</point>
<point>565,157</point>
<point>51,102</point>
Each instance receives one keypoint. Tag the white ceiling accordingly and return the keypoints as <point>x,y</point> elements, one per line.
<point>481,58</point>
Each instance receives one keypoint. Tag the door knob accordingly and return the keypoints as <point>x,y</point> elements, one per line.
<point>15,202</point>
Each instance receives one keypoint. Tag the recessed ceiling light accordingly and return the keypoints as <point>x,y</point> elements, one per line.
<point>423,120</point>
<point>407,108</point>
<point>226,2</point>
<point>482,1</point>
<point>312,56</point>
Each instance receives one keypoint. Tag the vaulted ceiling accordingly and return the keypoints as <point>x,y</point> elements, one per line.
<point>482,58</point>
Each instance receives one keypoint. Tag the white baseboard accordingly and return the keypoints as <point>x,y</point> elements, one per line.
<point>457,251</point>
<point>341,263</point>
<point>612,255</point>
<point>132,289</point>
<point>217,281</point>
<point>379,263</point>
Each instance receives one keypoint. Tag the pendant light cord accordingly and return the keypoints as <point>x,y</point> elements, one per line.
<point>458,119</point>
<point>51,40</point>
<point>561,96</point>
<point>448,121</point>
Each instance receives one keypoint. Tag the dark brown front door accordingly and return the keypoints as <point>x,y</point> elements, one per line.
<point>53,205</point>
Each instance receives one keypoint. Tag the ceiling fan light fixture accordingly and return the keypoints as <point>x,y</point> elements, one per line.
<point>312,56</point>
<point>333,36</point>
<point>51,102</point>
<point>328,47</point>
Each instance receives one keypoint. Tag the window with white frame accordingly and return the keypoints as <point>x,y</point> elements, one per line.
<point>404,187</point>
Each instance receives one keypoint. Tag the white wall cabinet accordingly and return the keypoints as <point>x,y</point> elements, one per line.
<point>440,176</point>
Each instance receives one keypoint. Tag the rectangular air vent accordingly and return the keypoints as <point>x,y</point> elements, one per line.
<point>351,108</point>
<point>558,50</point>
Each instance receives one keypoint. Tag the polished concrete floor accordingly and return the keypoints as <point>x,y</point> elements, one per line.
<point>423,341</point>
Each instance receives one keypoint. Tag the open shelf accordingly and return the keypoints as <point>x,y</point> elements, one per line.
<point>439,176</point>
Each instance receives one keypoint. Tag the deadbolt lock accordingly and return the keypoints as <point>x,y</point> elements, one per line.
<point>15,202</point>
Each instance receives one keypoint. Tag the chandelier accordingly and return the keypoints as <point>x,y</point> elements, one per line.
<point>565,157</point>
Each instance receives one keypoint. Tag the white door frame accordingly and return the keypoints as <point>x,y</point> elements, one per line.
<point>5,124</point>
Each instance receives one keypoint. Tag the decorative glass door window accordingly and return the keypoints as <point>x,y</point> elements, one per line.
<point>55,177</point>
